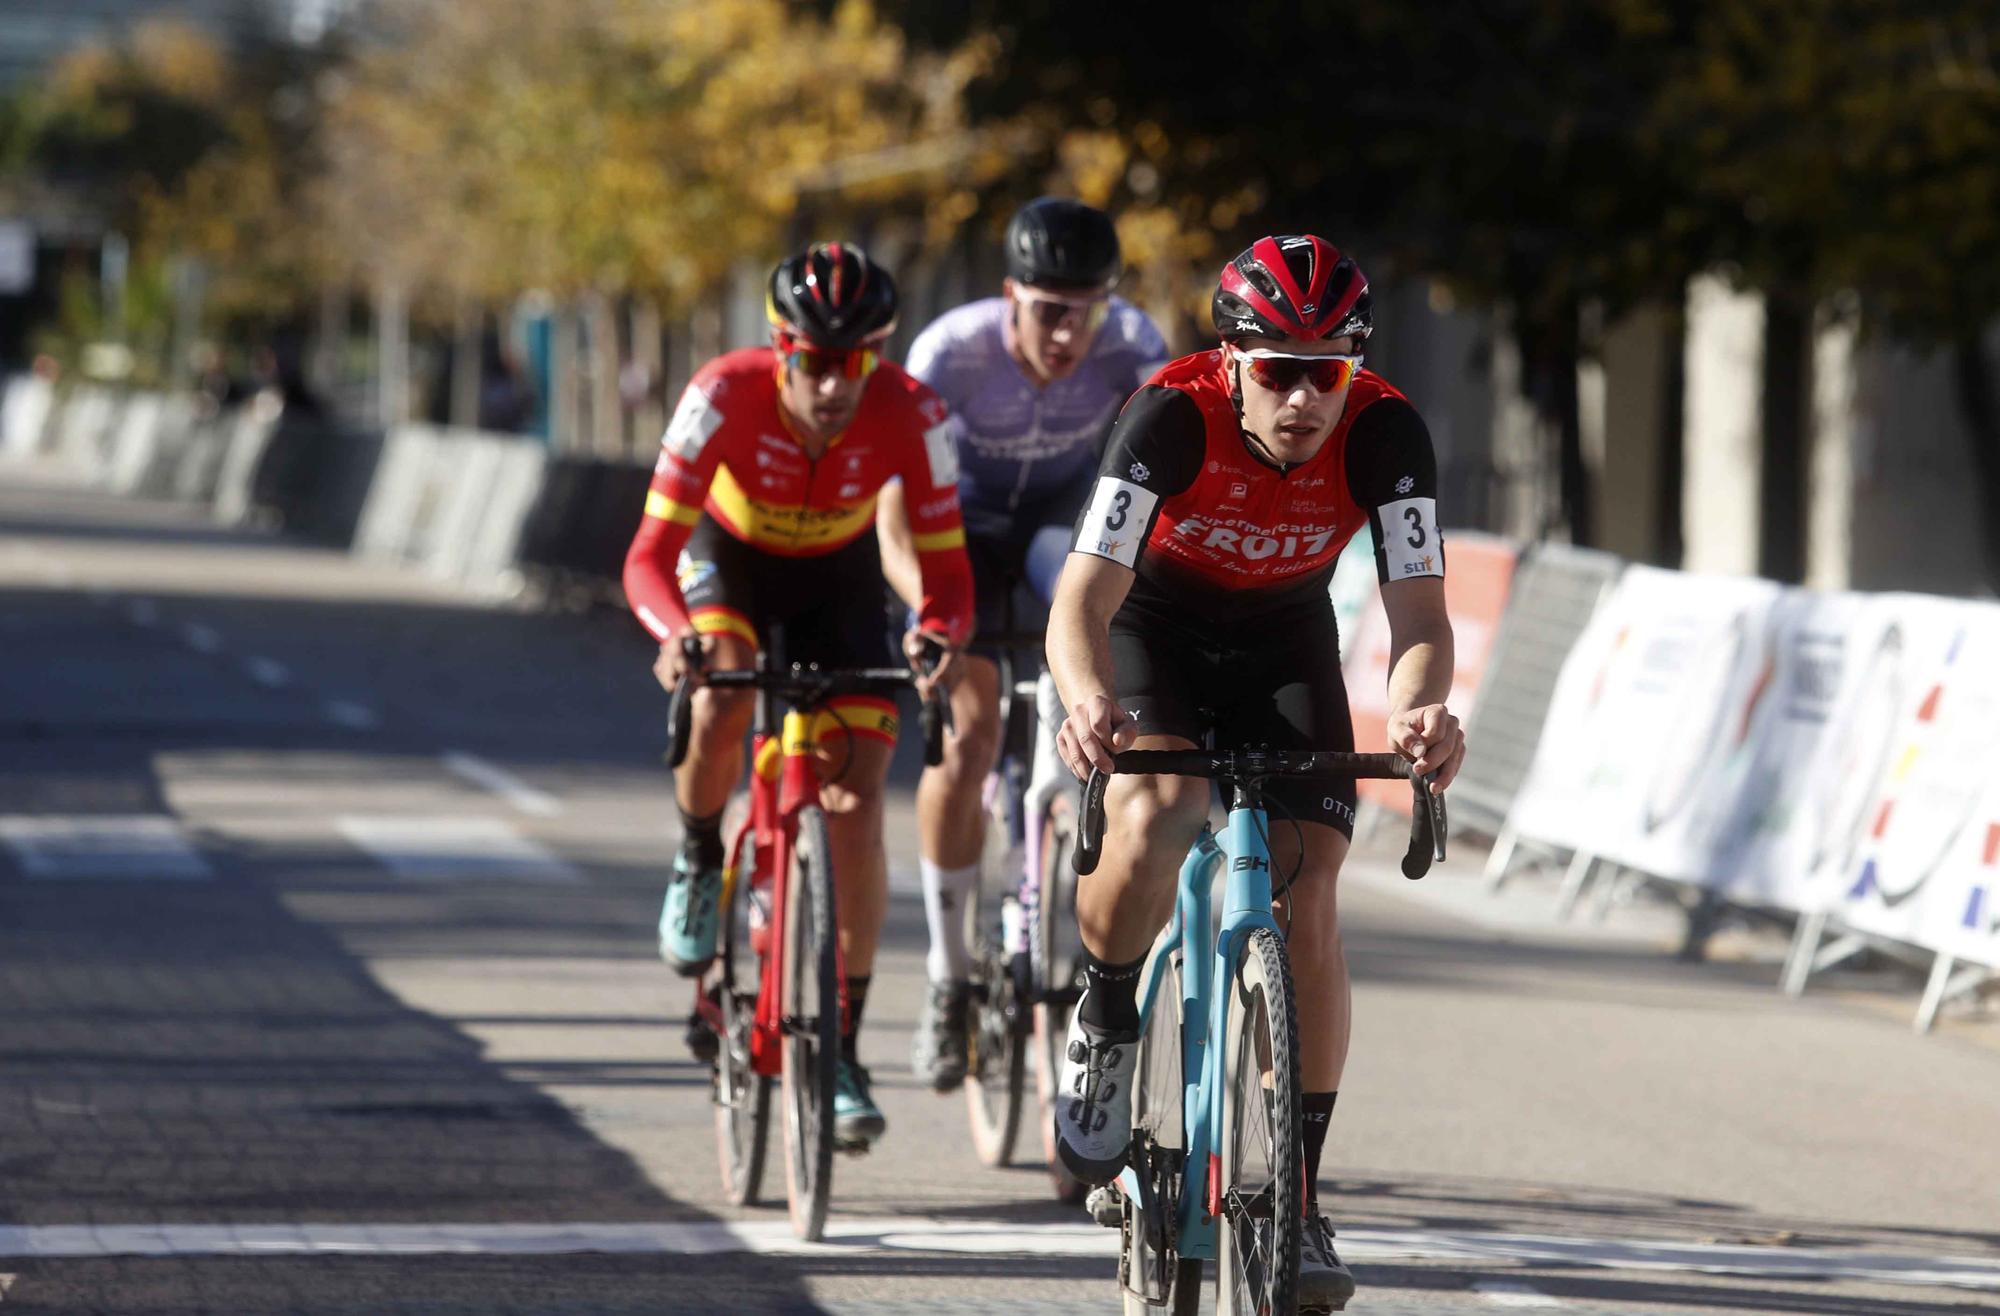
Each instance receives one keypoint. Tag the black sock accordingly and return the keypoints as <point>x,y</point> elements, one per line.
<point>857,1000</point>
<point>705,835</point>
<point>1110,1001</point>
<point>1316,1108</point>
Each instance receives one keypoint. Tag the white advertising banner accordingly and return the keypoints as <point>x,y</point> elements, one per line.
<point>1652,730</point>
<point>1910,845</point>
<point>1801,800</point>
<point>1812,752</point>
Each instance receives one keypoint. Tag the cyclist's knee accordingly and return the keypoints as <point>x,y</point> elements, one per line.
<point>854,776</point>
<point>972,747</point>
<point>722,716</point>
<point>1160,814</point>
<point>1310,910</point>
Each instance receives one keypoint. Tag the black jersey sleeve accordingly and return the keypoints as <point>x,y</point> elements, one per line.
<point>1392,474</point>
<point>1154,453</point>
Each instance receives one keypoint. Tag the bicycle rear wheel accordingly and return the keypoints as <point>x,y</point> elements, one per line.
<point>996,1053</point>
<point>1147,1266</point>
<point>1058,963</point>
<point>742,1096</point>
<point>1263,1172</point>
<point>811,988</point>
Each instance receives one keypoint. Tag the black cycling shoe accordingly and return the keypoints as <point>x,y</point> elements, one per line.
<point>702,1043</point>
<point>938,1047</point>
<point>1325,1284</point>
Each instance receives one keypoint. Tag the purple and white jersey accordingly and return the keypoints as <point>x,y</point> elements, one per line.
<point>1016,442</point>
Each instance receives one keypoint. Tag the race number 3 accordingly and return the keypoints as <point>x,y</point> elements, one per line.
<point>1116,520</point>
<point>1410,538</point>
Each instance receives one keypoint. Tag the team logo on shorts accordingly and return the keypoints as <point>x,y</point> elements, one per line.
<point>1407,483</point>
<point>1140,473</point>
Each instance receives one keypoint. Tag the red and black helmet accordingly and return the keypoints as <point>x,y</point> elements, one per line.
<point>1298,287</point>
<point>831,295</point>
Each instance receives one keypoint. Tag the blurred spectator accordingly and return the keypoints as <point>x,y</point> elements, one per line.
<point>506,398</point>
<point>216,387</point>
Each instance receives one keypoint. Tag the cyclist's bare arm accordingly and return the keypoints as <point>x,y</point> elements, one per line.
<point>1088,595</point>
<point>1421,659</point>
<point>899,548</point>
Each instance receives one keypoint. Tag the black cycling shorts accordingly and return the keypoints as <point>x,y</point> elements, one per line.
<point>1016,554</point>
<point>1277,684</point>
<point>830,607</point>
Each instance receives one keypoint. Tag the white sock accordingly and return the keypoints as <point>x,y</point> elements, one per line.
<point>945,893</point>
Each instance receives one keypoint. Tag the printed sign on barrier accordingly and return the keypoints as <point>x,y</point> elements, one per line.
<point>1480,570</point>
<point>1654,722</point>
<point>1910,845</point>
<point>1796,801</point>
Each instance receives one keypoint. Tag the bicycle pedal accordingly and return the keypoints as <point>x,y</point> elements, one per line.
<point>1106,1206</point>
<point>853,1147</point>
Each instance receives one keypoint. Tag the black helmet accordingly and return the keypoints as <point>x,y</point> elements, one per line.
<point>831,295</point>
<point>1296,286</point>
<point>1056,242</point>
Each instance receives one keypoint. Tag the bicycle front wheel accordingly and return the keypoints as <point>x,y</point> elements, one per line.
<point>996,1055</point>
<point>1058,964</point>
<point>742,1095</point>
<point>1150,1273</point>
<point>1263,1172</point>
<point>812,1024</point>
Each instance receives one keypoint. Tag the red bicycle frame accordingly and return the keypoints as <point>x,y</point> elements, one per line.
<point>783,781</point>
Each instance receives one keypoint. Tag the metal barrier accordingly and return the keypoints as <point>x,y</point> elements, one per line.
<point>1556,589</point>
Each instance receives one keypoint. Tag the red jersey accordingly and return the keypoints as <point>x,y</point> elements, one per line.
<point>1213,528</point>
<point>730,452</point>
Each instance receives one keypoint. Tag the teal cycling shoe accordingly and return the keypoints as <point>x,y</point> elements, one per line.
<point>857,1120</point>
<point>688,916</point>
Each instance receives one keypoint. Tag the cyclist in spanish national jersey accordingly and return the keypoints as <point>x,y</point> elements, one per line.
<point>1196,596</point>
<point>1034,378</point>
<point>761,513</point>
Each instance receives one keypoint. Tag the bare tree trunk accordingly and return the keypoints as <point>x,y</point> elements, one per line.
<point>607,415</point>
<point>648,349</point>
<point>1550,353</point>
<point>329,356</point>
<point>465,364</point>
<point>1781,550</point>
<point>392,350</point>
<point>1981,409</point>
<point>565,426</point>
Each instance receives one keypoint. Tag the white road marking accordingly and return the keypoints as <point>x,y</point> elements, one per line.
<point>503,783</point>
<point>202,639</point>
<point>142,612</point>
<point>268,671</point>
<point>453,849</point>
<point>1506,1293</point>
<point>133,846</point>
<point>861,1235</point>
<point>353,716</point>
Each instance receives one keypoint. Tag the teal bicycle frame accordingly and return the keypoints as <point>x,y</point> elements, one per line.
<point>1246,907</point>
<point>1245,850</point>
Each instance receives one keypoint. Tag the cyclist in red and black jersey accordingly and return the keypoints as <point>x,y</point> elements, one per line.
<point>1195,596</point>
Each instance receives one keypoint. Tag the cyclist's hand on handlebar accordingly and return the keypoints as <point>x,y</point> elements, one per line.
<point>672,664</point>
<point>1430,737</point>
<point>1095,729</point>
<point>946,668</point>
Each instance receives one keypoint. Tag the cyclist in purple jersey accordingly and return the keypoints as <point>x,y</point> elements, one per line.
<point>1034,378</point>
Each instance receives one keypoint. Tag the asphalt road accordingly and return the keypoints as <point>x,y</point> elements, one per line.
<point>327,985</point>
